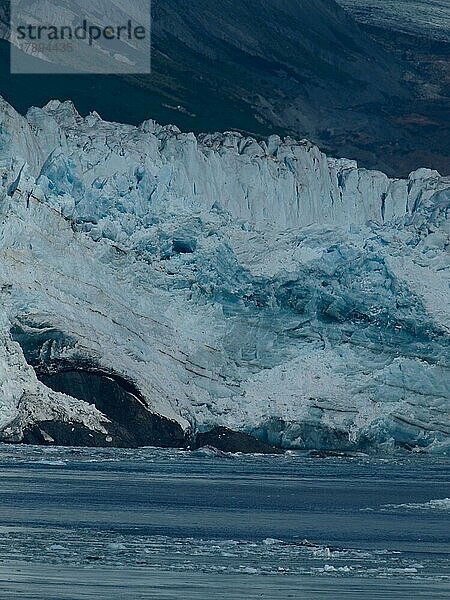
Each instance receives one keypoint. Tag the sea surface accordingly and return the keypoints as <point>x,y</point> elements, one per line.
<point>168,524</point>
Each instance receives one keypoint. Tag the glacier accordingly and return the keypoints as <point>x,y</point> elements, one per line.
<point>175,283</point>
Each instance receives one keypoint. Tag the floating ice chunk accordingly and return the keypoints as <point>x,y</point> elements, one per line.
<point>439,504</point>
<point>116,546</point>
<point>271,541</point>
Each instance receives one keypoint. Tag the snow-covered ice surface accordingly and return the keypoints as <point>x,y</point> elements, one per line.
<point>148,523</point>
<point>256,285</point>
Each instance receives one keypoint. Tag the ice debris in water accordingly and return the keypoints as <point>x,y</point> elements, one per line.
<point>439,504</point>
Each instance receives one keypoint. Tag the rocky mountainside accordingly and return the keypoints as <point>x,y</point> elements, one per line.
<point>296,67</point>
<point>154,284</point>
<point>418,18</point>
<point>418,33</point>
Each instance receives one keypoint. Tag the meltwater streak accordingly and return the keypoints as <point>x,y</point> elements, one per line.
<point>139,524</point>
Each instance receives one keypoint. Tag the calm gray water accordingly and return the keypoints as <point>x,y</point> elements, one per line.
<point>138,524</point>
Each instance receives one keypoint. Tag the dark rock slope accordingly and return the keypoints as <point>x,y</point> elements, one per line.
<point>297,67</point>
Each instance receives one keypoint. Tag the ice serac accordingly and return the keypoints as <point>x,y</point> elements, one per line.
<point>155,284</point>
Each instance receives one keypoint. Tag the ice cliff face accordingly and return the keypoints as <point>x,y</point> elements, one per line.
<point>152,281</point>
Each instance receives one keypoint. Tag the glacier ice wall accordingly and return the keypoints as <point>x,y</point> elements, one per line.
<point>254,284</point>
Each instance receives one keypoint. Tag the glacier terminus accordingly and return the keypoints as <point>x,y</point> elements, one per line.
<point>155,284</point>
